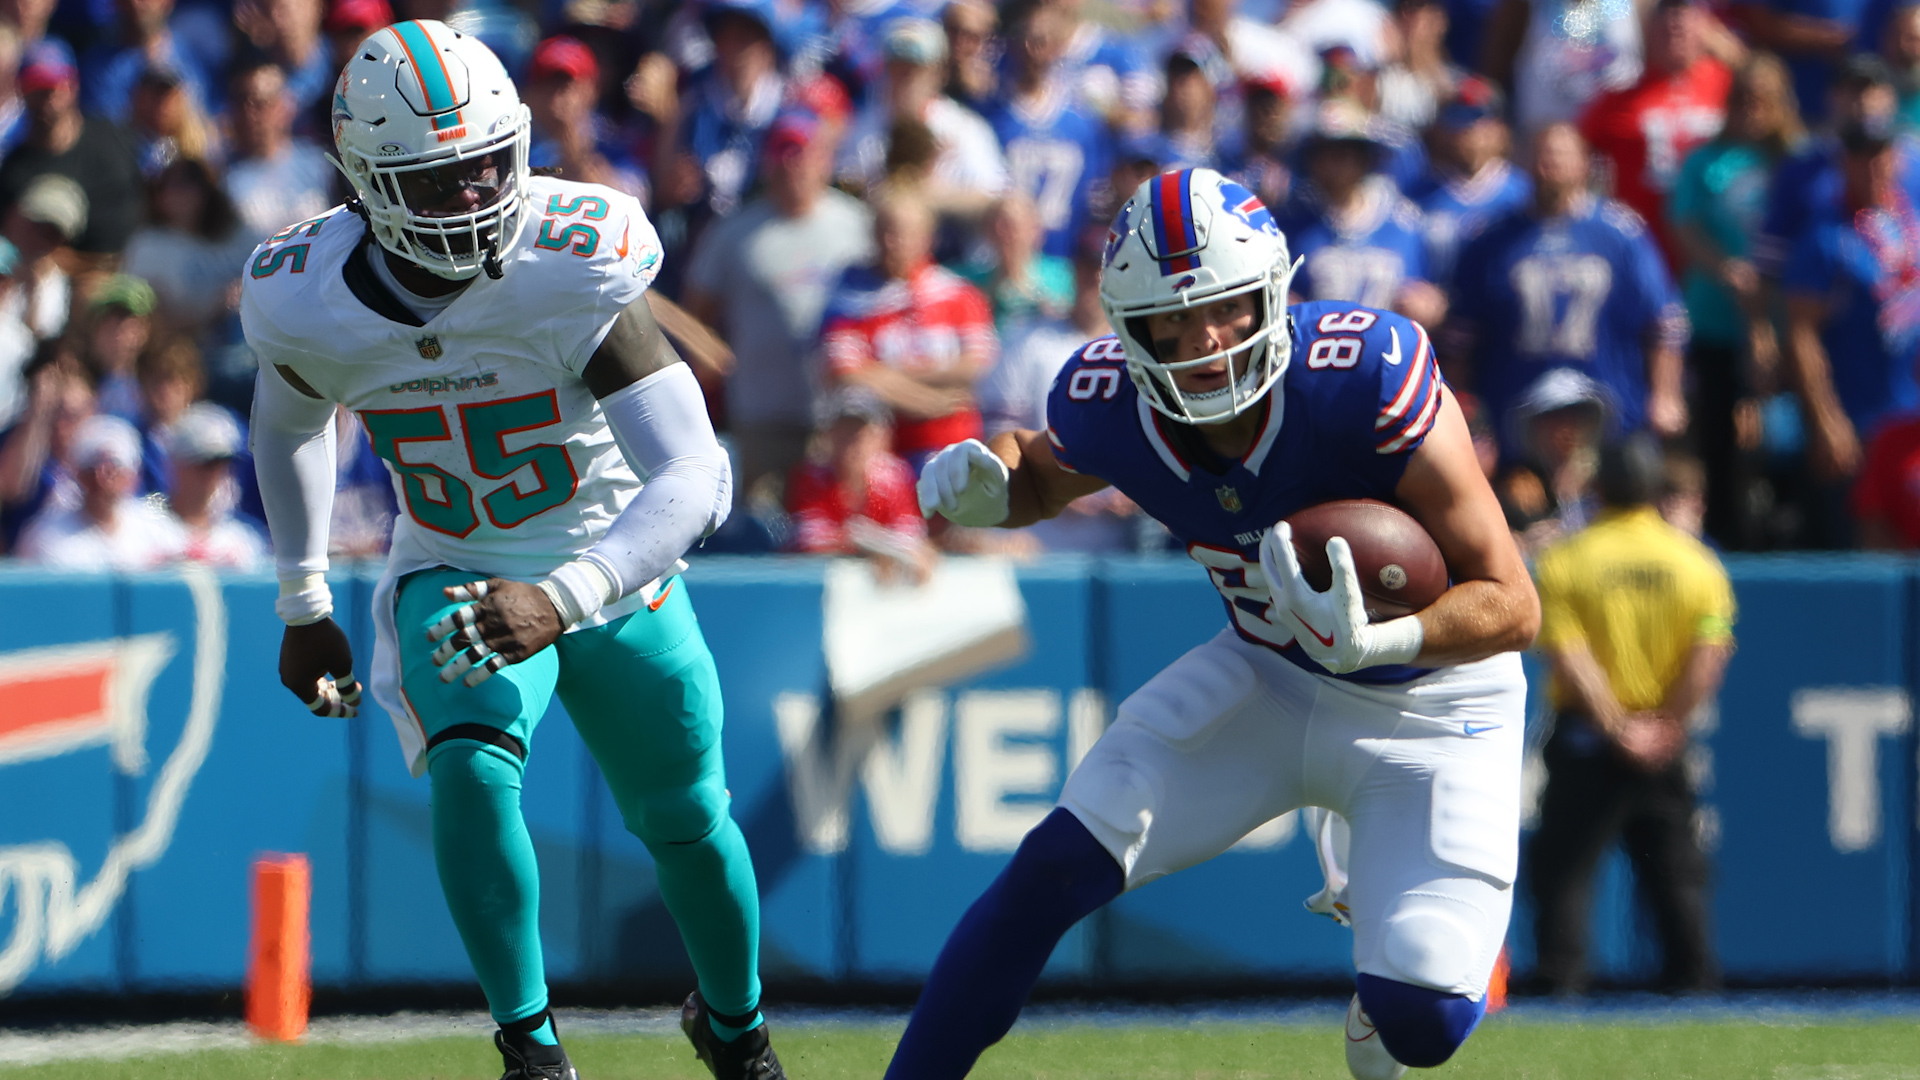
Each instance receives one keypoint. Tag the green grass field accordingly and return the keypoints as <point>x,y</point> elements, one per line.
<point>1881,1050</point>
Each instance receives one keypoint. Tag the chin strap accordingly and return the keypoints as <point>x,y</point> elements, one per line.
<point>491,264</point>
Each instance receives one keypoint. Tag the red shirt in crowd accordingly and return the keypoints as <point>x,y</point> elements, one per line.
<point>925,323</point>
<point>1648,129</point>
<point>1889,484</point>
<point>821,508</point>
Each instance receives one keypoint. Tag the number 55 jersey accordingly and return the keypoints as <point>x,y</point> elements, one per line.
<point>1360,395</point>
<point>500,458</point>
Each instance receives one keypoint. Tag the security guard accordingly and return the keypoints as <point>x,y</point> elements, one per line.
<point>1637,621</point>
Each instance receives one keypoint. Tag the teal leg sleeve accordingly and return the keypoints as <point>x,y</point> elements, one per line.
<point>487,871</point>
<point>644,694</point>
<point>480,841</point>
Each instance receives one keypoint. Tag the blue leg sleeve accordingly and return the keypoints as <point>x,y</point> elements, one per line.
<point>990,963</point>
<point>1421,1028</point>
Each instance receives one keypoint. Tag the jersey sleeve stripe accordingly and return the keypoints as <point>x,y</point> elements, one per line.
<point>1059,450</point>
<point>1416,372</point>
<point>1423,421</point>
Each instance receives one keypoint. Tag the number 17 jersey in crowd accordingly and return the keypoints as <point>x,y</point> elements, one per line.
<point>1359,397</point>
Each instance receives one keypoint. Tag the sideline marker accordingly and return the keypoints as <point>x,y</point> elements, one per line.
<point>279,986</point>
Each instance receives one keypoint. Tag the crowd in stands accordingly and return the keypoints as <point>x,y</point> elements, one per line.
<point>883,222</point>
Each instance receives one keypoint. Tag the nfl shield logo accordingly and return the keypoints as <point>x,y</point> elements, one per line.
<point>429,347</point>
<point>1229,498</point>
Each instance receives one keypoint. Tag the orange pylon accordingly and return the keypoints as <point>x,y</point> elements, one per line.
<point>279,984</point>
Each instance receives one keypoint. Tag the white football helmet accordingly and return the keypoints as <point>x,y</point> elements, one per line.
<point>1185,240</point>
<point>422,115</point>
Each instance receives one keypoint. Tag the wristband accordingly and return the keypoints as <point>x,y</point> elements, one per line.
<point>304,600</point>
<point>1396,641</point>
<point>578,590</point>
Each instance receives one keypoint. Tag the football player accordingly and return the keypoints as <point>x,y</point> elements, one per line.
<point>1220,411</point>
<point>490,330</point>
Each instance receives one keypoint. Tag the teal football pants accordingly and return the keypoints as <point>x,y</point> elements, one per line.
<point>643,693</point>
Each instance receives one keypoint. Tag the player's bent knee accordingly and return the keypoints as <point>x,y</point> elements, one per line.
<point>1061,867</point>
<point>472,767</point>
<point>1421,1027</point>
<point>1427,945</point>
<point>677,815</point>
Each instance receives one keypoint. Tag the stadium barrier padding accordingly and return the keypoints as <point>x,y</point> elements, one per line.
<point>127,826</point>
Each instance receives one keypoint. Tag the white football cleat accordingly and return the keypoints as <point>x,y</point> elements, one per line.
<point>1367,1059</point>
<point>1330,836</point>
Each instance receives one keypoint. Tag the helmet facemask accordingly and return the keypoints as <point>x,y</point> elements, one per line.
<point>398,196</point>
<point>1260,360</point>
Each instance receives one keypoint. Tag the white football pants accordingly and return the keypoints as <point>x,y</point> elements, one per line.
<point>1426,773</point>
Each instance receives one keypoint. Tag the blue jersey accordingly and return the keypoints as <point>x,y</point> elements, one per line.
<point>1872,329</point>
<point>1358,398</point>
<point>1587,291</point>
<point>1056,154</point>
<point>1453,211</point>
<point>1366,261</point>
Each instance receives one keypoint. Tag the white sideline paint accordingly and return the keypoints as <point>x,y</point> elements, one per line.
<point>1852,720</point>
<point>53,913</point>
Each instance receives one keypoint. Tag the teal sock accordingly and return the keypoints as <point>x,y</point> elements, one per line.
<point>544,1034</point>
<point>709,890</point>
<point>488,873</point>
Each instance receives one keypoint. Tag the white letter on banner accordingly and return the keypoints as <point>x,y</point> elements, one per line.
<point>818,787</point>
<point>1086,722</point>
<point>1852,720</point>
<point>986,769</point>
<point>903,780</point>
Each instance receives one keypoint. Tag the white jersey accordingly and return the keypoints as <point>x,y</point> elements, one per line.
<point>501,460</point>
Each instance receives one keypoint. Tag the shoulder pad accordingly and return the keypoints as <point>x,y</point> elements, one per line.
<point>591,231</point>
<point>1093,381</point>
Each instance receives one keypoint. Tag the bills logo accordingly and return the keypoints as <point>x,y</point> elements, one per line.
<point>1122,225</point>
<point>1247,206</point>
<point>62,699</point>
<point>1185,281</point>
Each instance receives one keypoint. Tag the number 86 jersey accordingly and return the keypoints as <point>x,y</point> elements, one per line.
<point>499,455</point>
<point>1359,397</point>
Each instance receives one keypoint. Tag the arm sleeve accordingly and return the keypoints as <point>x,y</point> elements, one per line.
<point>292,440</point>
<point>662,427</point>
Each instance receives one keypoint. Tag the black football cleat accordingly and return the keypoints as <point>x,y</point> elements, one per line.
<point>530,1060</point>
<point>749,1057</point>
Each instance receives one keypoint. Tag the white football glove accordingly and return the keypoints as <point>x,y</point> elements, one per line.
<point>463,654</point>
<point>1332,626</point>
<point>966,483</point>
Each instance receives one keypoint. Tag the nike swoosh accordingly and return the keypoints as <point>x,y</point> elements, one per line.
<point>621,252</point>
<point>1368,1028</point>
<point>1324,639</point>
<point>1392,356</point>
<point>1475,729</point>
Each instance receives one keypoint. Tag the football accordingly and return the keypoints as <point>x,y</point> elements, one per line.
<point>1400,567</point>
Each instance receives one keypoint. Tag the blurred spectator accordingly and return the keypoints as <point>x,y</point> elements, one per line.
<point>1188,112</point>
<point>28,19</point>
<point>968,170</point>
<point>275,179</point>
<point>1360,237</point>
<point>167,124</point>
<point>1573,281</point>
<point>1554,451</point>
<point>1886,498</point>
<point>119,321</point>
<point>94,153</point>
<point>1350,84</point>
<point>562,88</point>
<point>1255,51</point>
<point>13,109</point>
<point>1636,621</point>
<point>1055,153</point>
<point>974,52</point>
<point>727,108</point>
<point>1014,395</point>
<point>1646,130</point>
<point>1361,27</point>
<point>854,497</point>
<point>47,218</point>
<point>1900,47</point>
<point>911,333</point>
<point>172,378</point>
<point>1715,212</point>
<point>144,41</point>
<point>1106,72</point>
<point>17,343</point>
<point>1683,494</point>
<point>202,445</point>
<point>363,501</point>
<point>1470,183</point>
<point>1020,282</point>
<point>1258,159</point>
<point>762,277</point>
<point>1814,37</point>
<point>1852,290</point>
<point>288,33</point>
<point>192,248</point>
<point>1555,56</point>
<point>33,471</point>
<point>1811,184</point>
<point>350,22</point>
<point>110,528</point>
<point>1414,86</point>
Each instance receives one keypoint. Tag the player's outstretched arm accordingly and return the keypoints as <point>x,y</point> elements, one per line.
<point>1011,483</point>
<point>293,451</point>
<point>1492,607</point>
<point>654,405</point>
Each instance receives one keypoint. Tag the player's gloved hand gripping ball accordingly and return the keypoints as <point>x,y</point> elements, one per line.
<point>1332,626</point>
<point>966,483</point>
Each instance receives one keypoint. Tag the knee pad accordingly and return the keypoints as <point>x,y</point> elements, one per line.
<point>1420,1027</point>
<point>680,815</point>
<point>1436,941</point>
<point>461,765</point>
